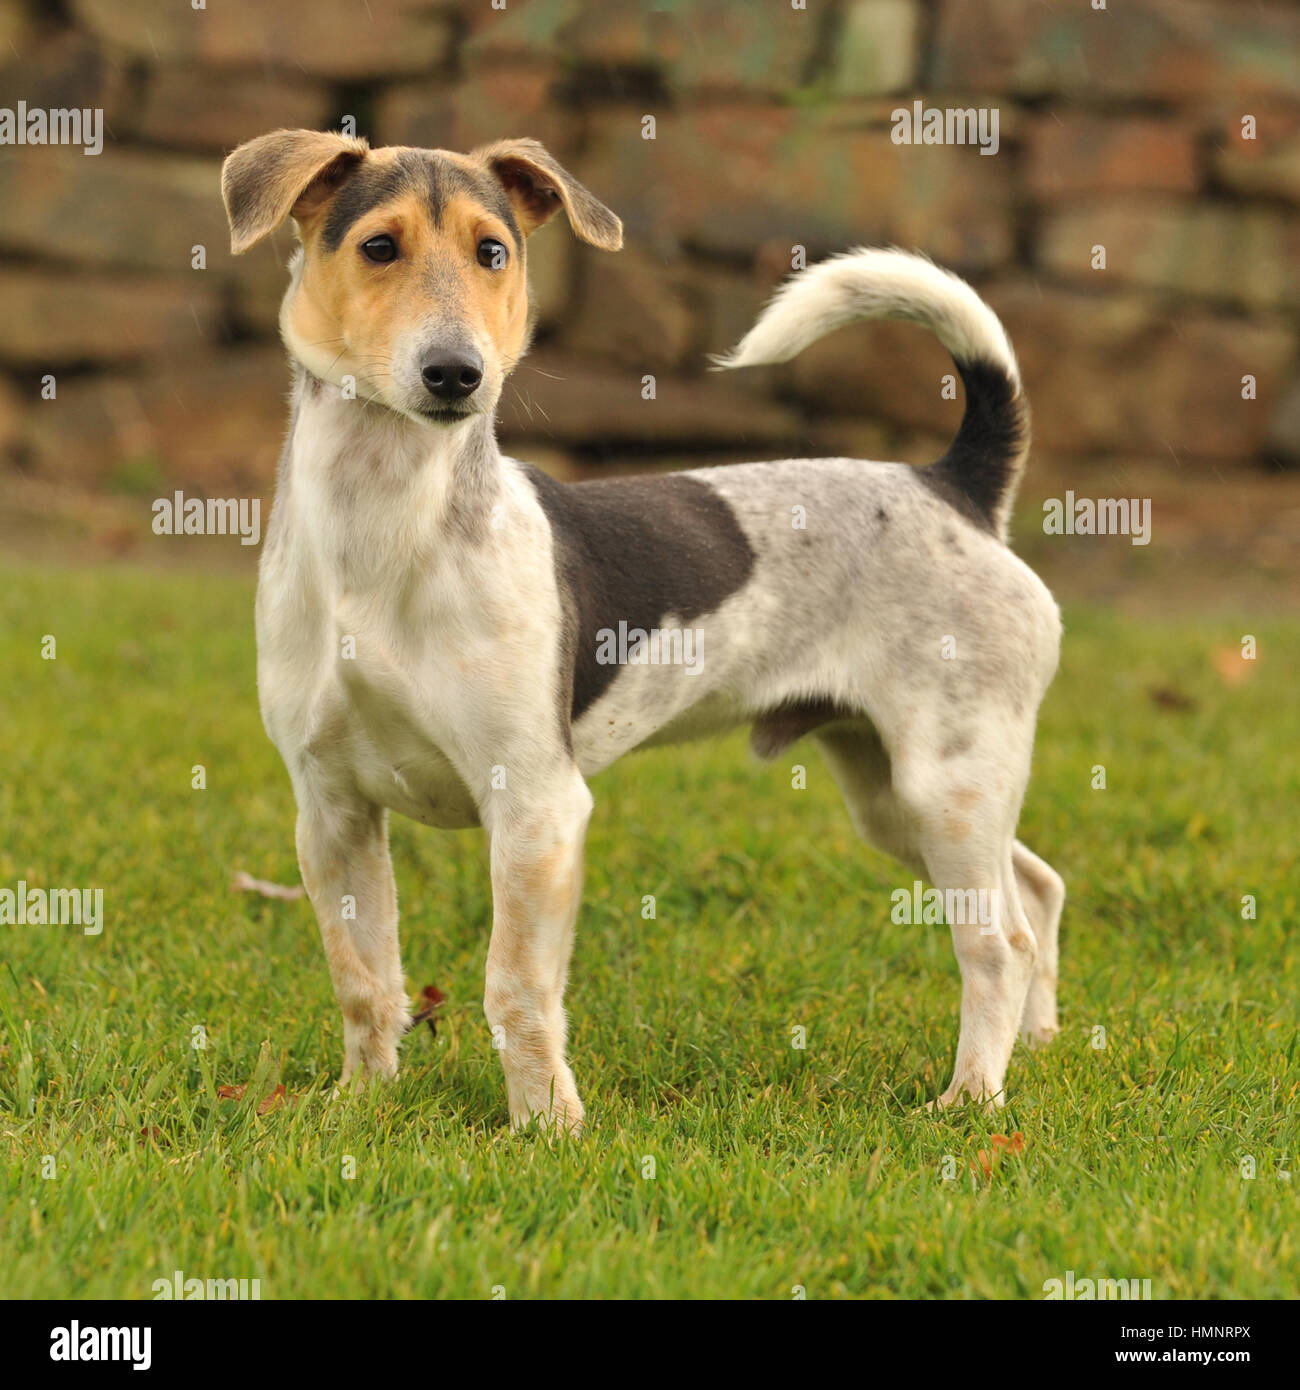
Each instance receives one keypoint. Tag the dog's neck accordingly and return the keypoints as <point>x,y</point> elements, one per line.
<point>377,479</point>
<point>349,443</point>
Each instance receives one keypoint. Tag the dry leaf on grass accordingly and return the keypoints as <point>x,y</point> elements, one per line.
<point>1233,668</point>
<point>274,1101</point>
<point>1003,1146</point>
<point>246,883</point>
<point>433,997</point>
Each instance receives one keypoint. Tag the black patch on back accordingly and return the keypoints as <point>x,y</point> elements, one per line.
<point>980,465</point>
<point>422,172</point>
<point>635,550</point>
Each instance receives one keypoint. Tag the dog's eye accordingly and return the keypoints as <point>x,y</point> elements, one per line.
<point>491,253</point>
<point>380,249</point>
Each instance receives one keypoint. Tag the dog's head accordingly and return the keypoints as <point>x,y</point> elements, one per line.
<point>411,277</point>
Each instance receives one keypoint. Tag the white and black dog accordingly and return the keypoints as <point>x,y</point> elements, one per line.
<point>436,622</point>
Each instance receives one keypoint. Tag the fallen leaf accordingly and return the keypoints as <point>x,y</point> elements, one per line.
<point>274,1101</point>
<point>433,997</point>
<point>1233,668</point>
<point>1002,1146</point>
<point>245,883</point>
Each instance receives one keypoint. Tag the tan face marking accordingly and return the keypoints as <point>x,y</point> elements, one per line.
<point>433,330</point>
<point>377,322</point>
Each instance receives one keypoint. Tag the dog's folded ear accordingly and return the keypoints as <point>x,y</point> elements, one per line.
<point>538,187</point>
<point>287,171</point>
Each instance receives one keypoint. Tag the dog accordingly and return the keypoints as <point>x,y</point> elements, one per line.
<point>449,633</point>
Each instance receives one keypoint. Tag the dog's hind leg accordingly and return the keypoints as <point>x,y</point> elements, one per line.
<point>343,855</point>
<point>966,810</point>
<point>954,827</point>
<point>1042,891</point>
<point>860,765</point>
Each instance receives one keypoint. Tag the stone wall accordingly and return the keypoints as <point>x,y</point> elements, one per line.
<point>1124,128</point>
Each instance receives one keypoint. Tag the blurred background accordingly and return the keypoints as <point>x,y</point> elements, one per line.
<point>1171,374</point>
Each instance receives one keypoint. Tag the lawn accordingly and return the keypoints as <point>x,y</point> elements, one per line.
<point>721,1160</point>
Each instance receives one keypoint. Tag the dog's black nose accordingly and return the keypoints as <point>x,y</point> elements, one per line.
<point>450,376</point>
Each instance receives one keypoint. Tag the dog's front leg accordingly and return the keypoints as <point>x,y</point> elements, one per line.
<point>343,855</point>
<point>537,844</point>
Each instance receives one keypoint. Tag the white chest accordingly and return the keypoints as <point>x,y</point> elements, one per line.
<point>402,653</point>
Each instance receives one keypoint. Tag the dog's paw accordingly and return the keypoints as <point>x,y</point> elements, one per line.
<point>979,1093</point>
<point>1038,1022</point>
<point>1038,1035</point>
<point>374,1060</point>
<point>560,1114</point>
<point>370,1042</point>
<point>570,1120</point>
<point>353,1082</point>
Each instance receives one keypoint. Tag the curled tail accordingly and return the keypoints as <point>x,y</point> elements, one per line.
<point>982,468</point>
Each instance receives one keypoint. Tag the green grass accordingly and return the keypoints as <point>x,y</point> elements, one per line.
<point>774,1167</point>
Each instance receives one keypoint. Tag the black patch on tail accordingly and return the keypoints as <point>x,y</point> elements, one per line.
<point>981,463</point>
<point>635,550</point>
